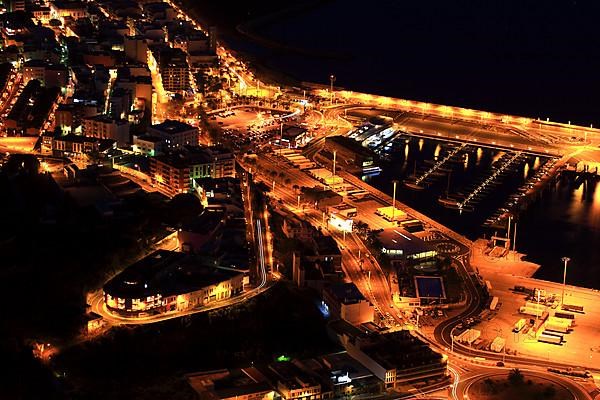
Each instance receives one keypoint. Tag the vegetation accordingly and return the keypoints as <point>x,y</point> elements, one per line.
<point>516,386</point>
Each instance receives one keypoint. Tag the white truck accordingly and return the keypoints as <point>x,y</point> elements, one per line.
<point>498,344</point>
<point>519,325</point>
<point>494,303</point>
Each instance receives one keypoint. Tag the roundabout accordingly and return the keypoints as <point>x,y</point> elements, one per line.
<point>495,384</point>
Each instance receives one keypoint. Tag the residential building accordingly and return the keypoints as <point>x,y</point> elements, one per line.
<point>166,281</point>
<point>51,75</point>
<point>105,127</point>
<point>148,145</point>
<point>294,383</point>
<point>31,110</point>
<point>175,133</point>
<point>68,9</point>
<point>75,146</point>
<point>195,234</point>
<point>345,301</point>
<point>173,173</point>
<point>231,384</point>
<point>174,69</point>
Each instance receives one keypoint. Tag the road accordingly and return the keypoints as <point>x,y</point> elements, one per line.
<point>460,388</point>
<point>259,236</point>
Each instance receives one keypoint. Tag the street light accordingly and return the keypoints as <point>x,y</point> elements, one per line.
<point>394,202</point>
<point>331,80</point>
<point>565,260</point>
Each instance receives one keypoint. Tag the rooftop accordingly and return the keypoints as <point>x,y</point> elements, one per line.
<point>172,127</point>
<point>399,240</point>
<point>346,293</point>
<point>166,273</point>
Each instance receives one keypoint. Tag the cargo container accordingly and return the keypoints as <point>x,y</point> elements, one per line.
<point>469,336</point>
<point>565,315</point>
<point>498,344</point>
<point>561,321</point>
<point>572,307</point>
<point>494,303</point>
<point>532,304</point>
<point>549,339</point>
<point>519,325</point>
<point>557,327</point>
<point>531,311</point>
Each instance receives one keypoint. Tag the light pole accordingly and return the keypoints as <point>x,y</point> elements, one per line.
<point>331,80</point>
<point>394,202</point>
<point>298,201</point>
<point>565,260</point>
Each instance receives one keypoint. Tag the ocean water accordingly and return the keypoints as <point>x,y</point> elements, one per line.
<point>531,58</point>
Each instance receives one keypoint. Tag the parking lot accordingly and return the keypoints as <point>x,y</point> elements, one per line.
<point>580,346</point>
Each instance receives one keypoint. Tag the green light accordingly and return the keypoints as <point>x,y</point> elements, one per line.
<point>283,358</point>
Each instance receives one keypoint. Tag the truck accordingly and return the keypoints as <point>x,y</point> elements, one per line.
<point>519,325</point>
<point>544,338</point>
<point>498,344</point>
<point>494,302</point>
<point>488,286</point>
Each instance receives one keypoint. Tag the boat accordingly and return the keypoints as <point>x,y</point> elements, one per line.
<point>413,185</point>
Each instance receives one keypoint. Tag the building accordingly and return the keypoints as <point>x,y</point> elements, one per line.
<point>293,136</point>
<point>294,383</point>
<point>136,48</point>
<point>400,245</point>
<point>175,133</point>
<point>321,199</point>
<point>148,145</point>
<point>166,281</point>
<point>31,110</point>
<point>74,146</point>
<point>68,9</point>
<point>105,127</point>
<point>173,173</point>
<point>195,234</point>
<point>231,384</point>
<point>349,153</point>
<point>345,301</point>
<point>399,359</point>
<point>174,69</point>
<point>49,74</point>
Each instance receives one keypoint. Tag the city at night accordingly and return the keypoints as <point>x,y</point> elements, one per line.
<point>308,200</point>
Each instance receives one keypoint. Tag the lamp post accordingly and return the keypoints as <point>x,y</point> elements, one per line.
<point>565,261</point>
<point>331,80</point>
<point>394,202</point>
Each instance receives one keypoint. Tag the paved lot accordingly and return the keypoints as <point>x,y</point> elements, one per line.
<point>582,346</point>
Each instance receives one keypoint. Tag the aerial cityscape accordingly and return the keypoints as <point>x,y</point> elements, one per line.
<point>300,201</point>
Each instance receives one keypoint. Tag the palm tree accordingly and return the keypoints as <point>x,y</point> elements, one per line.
<point>515,377</point>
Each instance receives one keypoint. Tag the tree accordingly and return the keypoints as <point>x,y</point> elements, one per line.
<point>515,377</point>
<point>288,181</point>
<point>361,228</point>
<point>296,188</point>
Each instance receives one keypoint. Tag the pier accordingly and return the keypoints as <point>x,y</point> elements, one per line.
<point>475,193</point>
<point>435,167</point>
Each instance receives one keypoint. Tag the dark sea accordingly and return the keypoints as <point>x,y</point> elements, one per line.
<point>521,57</point>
